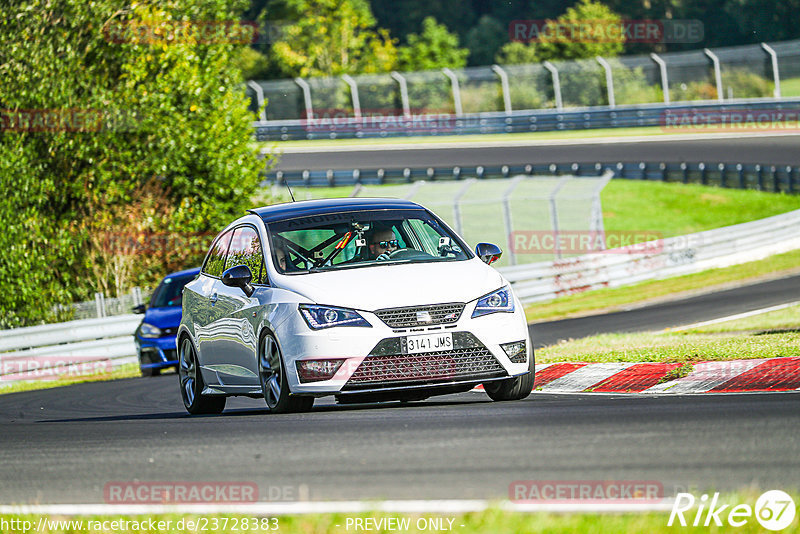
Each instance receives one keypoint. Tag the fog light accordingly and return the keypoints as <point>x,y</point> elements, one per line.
<point>316,370</point>
<point>515,351</point>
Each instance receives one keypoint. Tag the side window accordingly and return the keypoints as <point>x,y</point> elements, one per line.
<point>246,250</point>
<point>215,263</point>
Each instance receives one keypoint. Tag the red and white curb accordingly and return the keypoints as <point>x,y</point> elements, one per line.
<point>735,376</point>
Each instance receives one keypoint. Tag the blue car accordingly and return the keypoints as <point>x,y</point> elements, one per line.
<point>155,337</point>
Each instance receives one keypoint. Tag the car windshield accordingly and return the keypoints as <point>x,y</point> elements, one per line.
<point>168,292</point>
<point>355,239</point>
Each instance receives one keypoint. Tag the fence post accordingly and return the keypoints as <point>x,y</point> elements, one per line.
<point>504,84</point>
<point>456,90</point>
<point>554,213</point>
<point>306,97</point>
<point>259,91</point>
<point>457,205</point>
<point>99,304</point>
<point>596,222</point>
<point>508,218</point>
<point>775,74</point>
<point>353,94</point>
<point>401,81</point>
<point>556,84</point>
<point>717,72</point>
<point>609,80</point>
<point>662,65</point>
<point>759,178</point>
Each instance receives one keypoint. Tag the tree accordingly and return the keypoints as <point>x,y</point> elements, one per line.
<point>117,124</point>
<point>434,48</point>
<point>485,40</point>
<point>588,30</point>
<point>330,38</point>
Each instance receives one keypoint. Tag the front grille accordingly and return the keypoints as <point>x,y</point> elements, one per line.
<point>430,367</point>
<point>421,315</point>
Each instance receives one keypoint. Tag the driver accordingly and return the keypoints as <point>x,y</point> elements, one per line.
<point>382,242</point>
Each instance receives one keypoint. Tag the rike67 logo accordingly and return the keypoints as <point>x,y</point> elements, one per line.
<point>774,510</point>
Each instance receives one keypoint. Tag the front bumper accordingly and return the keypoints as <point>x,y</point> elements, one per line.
<point>156,353</point>
<point>376,359</point>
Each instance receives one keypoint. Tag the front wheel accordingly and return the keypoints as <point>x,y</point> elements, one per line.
<point>191,381</point>
<point>273,380</point>
<point>516,388</point>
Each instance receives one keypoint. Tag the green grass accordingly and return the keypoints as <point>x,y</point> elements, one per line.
<point>613,299</point>
<point>488,522</point>
<point>124,371</point>
<point>676,209</point>
<point>790,87</point>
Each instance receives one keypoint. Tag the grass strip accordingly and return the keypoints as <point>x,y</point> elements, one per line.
<point>655,131</point>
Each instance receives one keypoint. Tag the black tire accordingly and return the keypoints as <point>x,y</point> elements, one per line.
<point>191,383</point>
<point>272,375</point>
<point>516,388</point>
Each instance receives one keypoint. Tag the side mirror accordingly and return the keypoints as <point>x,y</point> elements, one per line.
<point>239,276</point>
<point>488,253</point>
<point>140,308</point>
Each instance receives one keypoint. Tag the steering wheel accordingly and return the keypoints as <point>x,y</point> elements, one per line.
<point>407,253</point>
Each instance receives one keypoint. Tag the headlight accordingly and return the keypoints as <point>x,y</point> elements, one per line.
<point>318,317</point>
<point>497,301</point>
<point>148,330</point>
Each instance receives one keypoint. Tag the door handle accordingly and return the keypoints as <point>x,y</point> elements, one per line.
<point>213,298</point>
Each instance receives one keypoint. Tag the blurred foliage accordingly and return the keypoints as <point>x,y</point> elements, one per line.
<point>138,127</point>
<point>330,38</point>
<point>552,46</point>
<point>434,48</point>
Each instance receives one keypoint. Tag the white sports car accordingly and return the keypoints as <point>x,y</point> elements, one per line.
<point>365,299</point>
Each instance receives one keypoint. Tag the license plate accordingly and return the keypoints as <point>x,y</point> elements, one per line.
<point>429,343</point>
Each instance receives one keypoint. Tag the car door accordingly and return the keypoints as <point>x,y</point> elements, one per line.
<point>232,352</point>
<point>200,301</point>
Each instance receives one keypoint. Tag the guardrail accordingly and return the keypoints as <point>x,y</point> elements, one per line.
<point>692,253</point>
<point>58,347</point>
<point>773,178</point>
<point>541,120</point>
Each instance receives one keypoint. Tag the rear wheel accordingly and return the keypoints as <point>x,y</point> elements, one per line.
<point>274,385</point>
<point>516,388</point>
<point>191,381</point>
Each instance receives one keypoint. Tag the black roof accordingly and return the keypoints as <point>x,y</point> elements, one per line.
<point>291,210</point>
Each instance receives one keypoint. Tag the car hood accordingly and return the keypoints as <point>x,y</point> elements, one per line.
<point>393,286</point>
<point>163,317</point>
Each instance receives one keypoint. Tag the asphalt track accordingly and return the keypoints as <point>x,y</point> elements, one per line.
<point>781,150</point>
<point>64,445</point>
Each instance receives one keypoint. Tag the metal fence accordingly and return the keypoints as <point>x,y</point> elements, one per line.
<point>427,102</point>
<point>692,253</point>
<point>103,306</point>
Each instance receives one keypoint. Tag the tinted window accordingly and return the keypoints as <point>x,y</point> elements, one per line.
<point>245,249</point>
<point>168,293</point>
<point>362,238</point>
<point>215,263</point>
